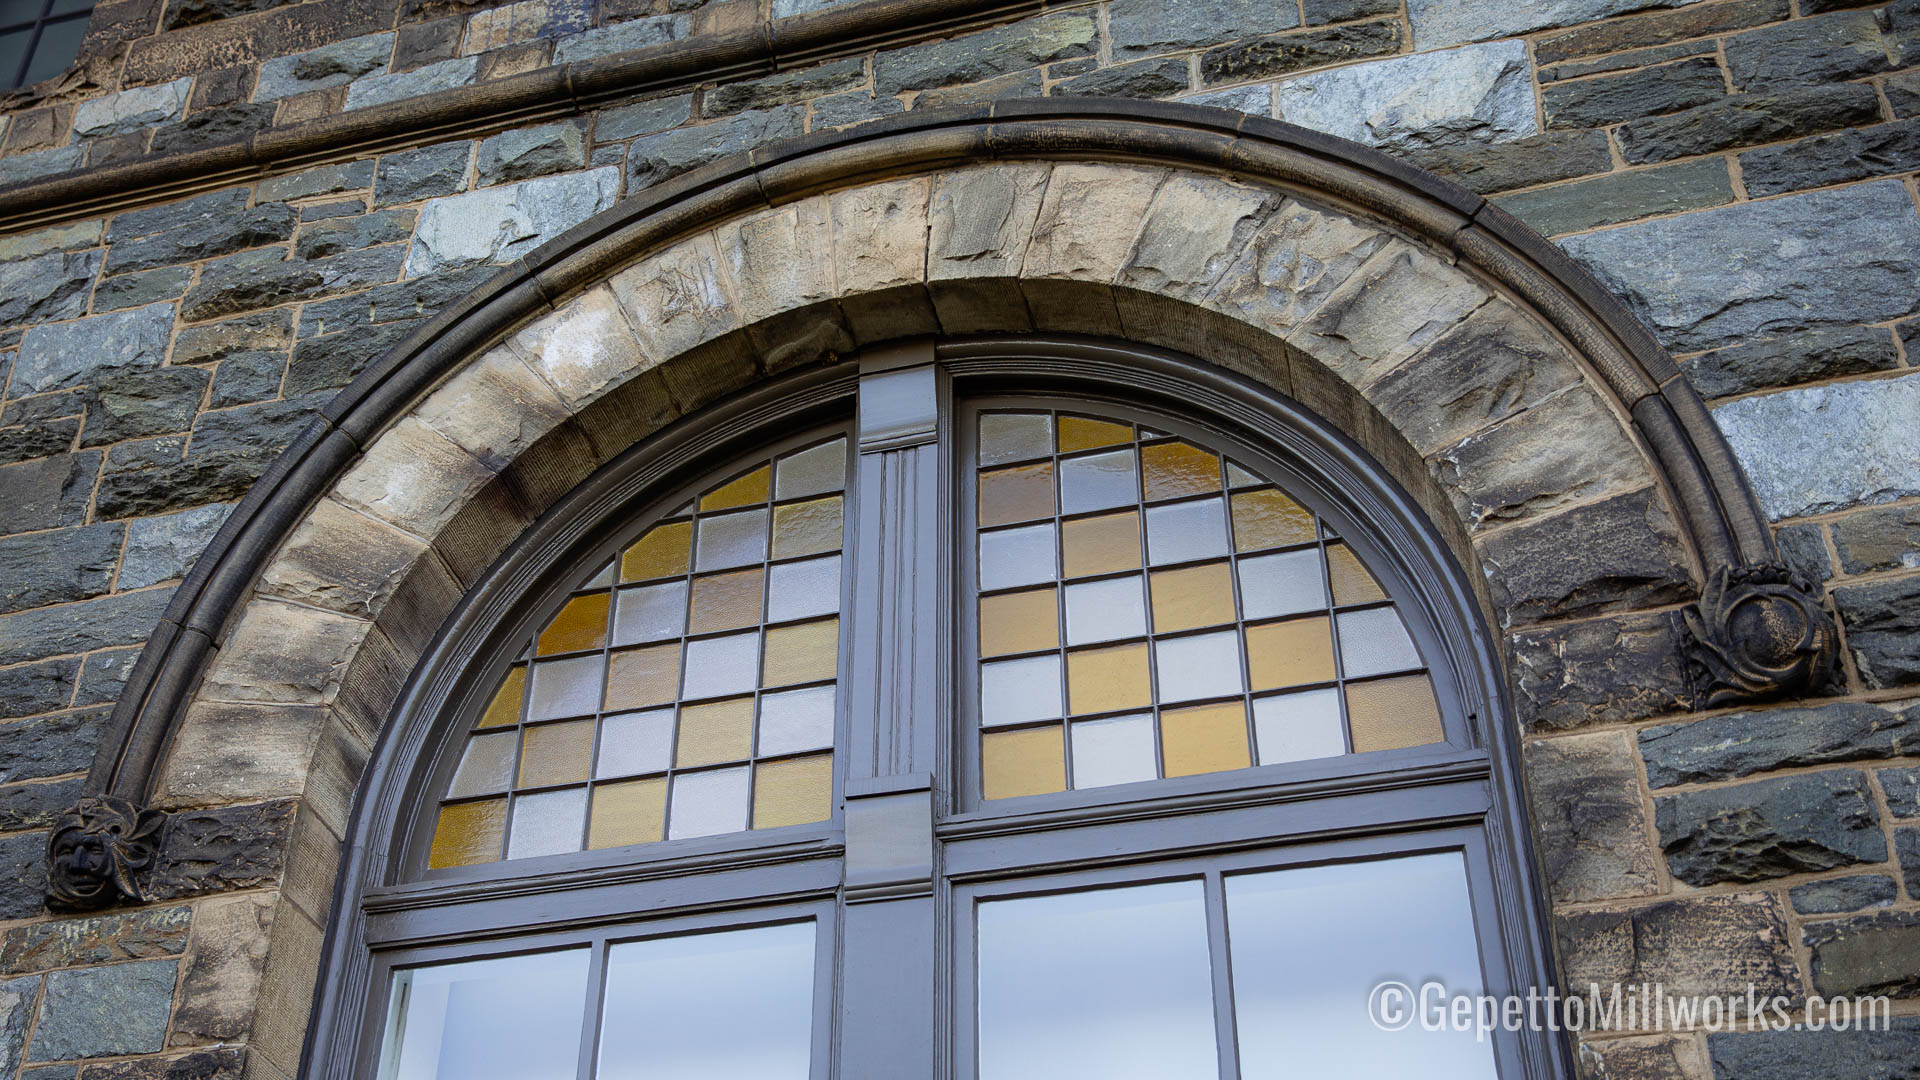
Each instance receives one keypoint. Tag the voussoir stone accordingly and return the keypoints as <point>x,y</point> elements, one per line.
<point>501,223</point>
<point>494,409</point>
<point>1193,229</point>
<point>583,348</point>
<point>1594,839</point>
<point>880,235</point>
<point>779,259</point>
<point>1620,668</point>
<point>413,477</point>
<point>1496,363</point>
<point>1569,448</point>
<point>1821,448</point>
<point>1088,219</point>
<point>1477,94</point>
<point>1698,945</point>
<point>1622,552</point>
<point>675,299</point>
<point>1396,303</point>
<point>283,653</point>
<point>1292,264</point>
<point>1741,744</point>
<point>982,219</point>
<point>341,560</point>
<point>1654,1057</point>
<point>1770,828</point>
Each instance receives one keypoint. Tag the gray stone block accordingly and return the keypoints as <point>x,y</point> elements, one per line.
<point>1833,159</point>
<point>23,878</point>
<point>218,1064</point>
<point>1742,744</point>
<point>69,354</point>
<point>642,118</point>
<point>1823,448</point>
<point>1267,57</point>
<point>1608,100</point>
<point>57,567</point>
<point>52,746</point>
<point>222,850</point>
<point>163,548</point>
<point>413,298</point>
<point>1867,955</point>
<point>1787,361</point>
<point>1255,100</point>
<point>1882,539</point>
<point>620,38</point>
<point>141,404</point>
<point>654,158</point>
<point>265,330</point>
<point>323,180</point>
<point>105,1011</point>
<point>426,173</point>
<point>348,207</point>
<point>141,934</point>
<point>1593,834</point>
<point>1722,944</point>
<point>53,286</point>
<point>1477,94</point>
<point>199,213</point>
<point>130,110</point>
<point>1883,630</point>
<point>1747,120</point>
<point>36,806</point>
<point>221,232</point>
<point>18,997</point>
<point>43,439</point>
<point>852,108</point>
<point>266,278</point>
<point>1439,23</point>
<point>1805,549</point>
<point>1906,848</point>
<point>374,90</point>
<point>498,224</point>
<point>244,378</point>
<point>1624,196</point>
<point>1795,1054</point>
<point>36,688</point>
<point>536,151</point>
<point>213,127</point>
<point>1619,553</point>
<point>972,58</point>
<point>729,98</point>
<point>1141,79</point>
<point>141,289</point>
<point>104,674</point>
<point>1824,49</point>
<point>1321,12</point>
<point>46,493</point>
<point>1150,27</point>
<point>25,168</point>
<point>1843,894</point>
<point>1537,159</point>
<point>1770,828</point>
<point>67,237</point>
<point>333,236</point>
<point>1902,89</point>
<point>1626,61</point>
<point>331,65</point>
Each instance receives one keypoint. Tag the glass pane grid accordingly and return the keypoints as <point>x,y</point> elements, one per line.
<point>676,693</point>
<point>1183,587</point>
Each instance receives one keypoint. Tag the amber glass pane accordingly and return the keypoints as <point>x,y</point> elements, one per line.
<point>1108,680</point>
<point>630,813</point>
<point>556,754</point>
<point>638,678</point>
<point>1290,653</point>
<point>1022,493</point>
<point>504,709</point>
<point>469,833</point>
<point>1014,436</point>
<point>793,792</point>
<point>581,625</point>
<point>1019,622</point>
<point>715,732</point>
<point>806,652</point>
<point>748,490</point>
<point>1170,470</point>
<point>1193,597</point>
<point>1086,433</point>
<point>663,552</point>
<point>1387,714</point>
<point>1101,545</point>
<point>727,601</point>
<point>1264,519</point>
<point>1351,582</point>
<point>1209,738</point>
<point>808,528</point>
<point>1028,762</point>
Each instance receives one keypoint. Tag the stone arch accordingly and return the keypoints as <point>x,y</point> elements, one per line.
<point>1567,461</point>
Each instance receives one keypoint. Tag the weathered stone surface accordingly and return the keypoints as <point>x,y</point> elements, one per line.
<point>502,223</point>
<point>244,378</point>
<point>1882,539</point>
<point>1843,894</point>
<point>143,403</point>
<point>103,622</point>
<point>523,153</point>
<point>1479,94</point>
<point>1701,945</point>
<point>1621,552</point>
<point>1089,215</point>
<point>222,980</point>
<point>1902,89</point>
<point>231,448</point>
<point>105,1011</point>
<point>981,220</point>
<point>646,117</point>
<point>139,290</point>
<point>1883,630</point>
<point>1569,448</point>
<point>163,548</point>
<point>1148,27</point>
<point>1602,670</point>
<point>1694,20</point>
<point>46,493</point>
<point>1793,1053</point>
<point>35,806</point>
<point>1016,84</point>
<point>974,57</point>
<point>675,300</point>
<point>1797,358</point>
<point>199,1065</point>
<point>222,850</point>
<point>1867,954</point>
<point>619,38</point>
<point>332,237</point>
<point>350,206</point>
<point>583,348</point>
<point>412,477</point>
<point>1593,835</point>
<point>69,354</point>
<point>265,278</point>
<point>1906,849</point>
<point>1741,744</point>
<point>374,90</point>
<point>1493,365</point>
<point>657,157</point>
<point>130,110</point>
<point>1804,547</point>
<point>1651,91</point>
<point>729,98</point>
<point>66,237</point>
<point>23,875</point>
<point>319,69</point>
<point>281,652</point>
<point>1195,227</point>
<point>781,260</point>
<point>53,286</point>
<point>1617,197</point>
<point>234,123</point>
<point>1833,159</point>
<point>1747,120</point>
<point>494,409</point>
<point>1439,23</point>
<point>1656,1057</point>
<point>225,753</point>
<point>1827,48</point>
<point>17,1000</point>
<point>395,302</point>
<point>1267,57</point>
<point>103,675</point>
<point>426,173</point>
<point>1394,304</point>
<point>1292,264</point>
<point>1770,828</point>
<point>141,934</point>
<point>44,438</point>
<point>1536,159</point>
<point>1825,448</point>
<point>1142,79</point>
<point>248,333</point>
<point>36,688</point>
<point>1762,269</point>
<point>1626,61</point>
<point>21,168</point>
<point>57,567</point>
<point>322,180</point>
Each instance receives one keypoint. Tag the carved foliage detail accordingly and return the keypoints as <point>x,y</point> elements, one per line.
<point>1757,632</point>
<point>97,848</point>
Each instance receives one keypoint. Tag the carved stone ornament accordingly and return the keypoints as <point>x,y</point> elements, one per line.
<point>1757,632</point>
<point>97,849</point>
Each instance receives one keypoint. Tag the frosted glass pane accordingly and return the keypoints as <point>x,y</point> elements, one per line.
<point>802,589</point>
<point>1283,584</point>
<point>796,720</point>
<point>486,766</point>
<point>603,579</point>
<point>1309,944</point>
<point>1106,610</point>
<point>797,791</point>
<point>708,803</point>
<point>1014,437</point>
<point>1297,727</point>
<point>1113,751</point>
<point>1111,983</point>
<point>1198,667</point>
<point>1016,557</point>
<point>490,1019</point>
<point>727,540</point>
<point>1182,531</point>
<point>635,743</point>
<point>1375,642</point>
<point>1098,482</point>
<point>1015,691</point>
<point>1021,493</point>
<point>720,666</point>
<point>812,472</point>
<point>1172,470</point>
<point>566,687</point>
<point>650,613</point>
<point>549,823</point>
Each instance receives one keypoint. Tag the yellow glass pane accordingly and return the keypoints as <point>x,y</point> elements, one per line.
<point>1170,470</point>
<point>582,624</point>
<point>726,601</point>
<point>793,792</point>
<point>715,732</point>
<point>1209,738</point>
<point>628,813</point>
<point>1107,680</point>
<point>1351,582</point>
<point>469,833</point>
<point>807,652</point>
<point>1022,493</point>
<point>638,678</point>
<point>748,490</point>
<point>556,753</point>
<point>1194,596</point>
<point>1019,622</point>
<point>1029,762</point>
<point>1387,714</point>
<point>1084,433</point>
<point>504,709</point>
<point>807,528</point>
<point>1264,519</point>
<point>661,553</point>
<point>1291,653</point>
<point>1101,545</point>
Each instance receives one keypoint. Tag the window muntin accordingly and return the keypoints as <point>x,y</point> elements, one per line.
<point>40,38</point>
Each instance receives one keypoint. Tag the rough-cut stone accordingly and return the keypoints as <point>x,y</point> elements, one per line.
<point>502,223</point>
<point>1804,547</point>
<point>1695,20</point>
<point>143,403</point>
<point>973,57</point>
<point>1700,945</point>
<point>1883,630</point>
<point>1760,269</point>
<point>1195,227</point>
<point>1866,955</point>
<point>1142,79</point>
<point>426,173</point>
<point>46,493</point>
<point>1843,894</point>
<point>265,278</point>
<point>105,1011</point>
<point>24,168</point>
<point>1478,94</point>
<point>584,348</point>
<point>646,117</point>
<point>139,290</point>
<point>1798,358</point>
<point>1283,54</point>
<point>397,301</point>
<point>319,69</point>
<point>130,110</point>
<point>1770,828</point>
<point>1742,744</point>
<point>1393,305</point>
<point>374,90</point>
<point>1439,23</point>
<point>729,98</point>
<point>225,753</point>
<point>1621,552</point>
<point>332,237</point>
<point>1016,84</point>
<point>619,38</point>
<point>1292,264</point>
<point>1825,448</point>
<point>283,653</point>
<point>222,980</point>
<point>1651,91</point>
<point>981,220</point>
<point>1655,1057</point>
<point>1150,27</point>
<point>1537,159</point>
<point>36,688</point>
<point>524,153</point>
<point>1828,48</point>
<point>1747,120</point>
<point>855,107</point>
<point>1493,365</point>
<point>244,378</point>
<point>1883,539</point>
<point>1593,835</point>
<point>1906,849</point>
<point>1623,196</point>
<point>1569,448</point>
<point>657,157</point>
<point>323,180</point>
<point>23,875</point>
<point>1887,1053</point>
<point>69,354</point>
<point>248,333</point>
<point>52,286</point>
<point>36,806</point>
<point>57,567</point>
<point>494,409</point>
<point>142,934</point>
<point>1833,159</point>
<point>675,300</point>
<point>103,622</point>
<point>222,850</point>
<point>412,477</point>
<point>1089,215</point>
<point>67,237</point>
<point>163,548</point>
<point>104,675</point>
<point>1902,89</point>
<point>199,1065</point>
<point>1626,61</point>
<point>17,1000</point>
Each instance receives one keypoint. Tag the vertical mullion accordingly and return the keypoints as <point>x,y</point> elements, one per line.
<point>686,642</point>
<point>1219,947</point>
<point>588,1053</point>
<point>1154,708</point>
<point>1059,598</point>
<point>1239,612</point>
<point>1333,626</point>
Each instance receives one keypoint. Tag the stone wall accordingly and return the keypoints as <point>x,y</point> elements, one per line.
<point>1741,172</point>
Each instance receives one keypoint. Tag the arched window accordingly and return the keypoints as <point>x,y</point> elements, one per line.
<point>1005,710</point>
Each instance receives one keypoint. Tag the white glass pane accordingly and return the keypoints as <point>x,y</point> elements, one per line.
<point>650,613</point>
<point>603,579</point>
<point>1283,584</point>
<point>1296,727</point>
<point>811,472</point>
<point>486,766</point>
<point>1179,532</point>
<point>731,540</point>
<point>1198,667</point>
<point>1118,750</point>
<point>720,666</point>
<point>567,687</point>
<point>1110,983</point>
<point>798,590</point>
<point>488,1019</point>
<point>1106,610</point>
<point>1098,482</point>
<point>1016,557</point>
<point>710,1006</point>
<point>1014,691</point>
<point>708,803</point>
<point>550,823</point>
<point>1310,944</point>
<point>1374,642</point>
<point>635,743</point>
<point>796,720</point>
<point>1238,477</point>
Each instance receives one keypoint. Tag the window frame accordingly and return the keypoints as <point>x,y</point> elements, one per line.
<point>36,26</point>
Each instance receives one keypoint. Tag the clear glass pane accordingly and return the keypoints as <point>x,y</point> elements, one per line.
<point>723,666</point>
<point>566,688</point>
<point>802,589</point>
<point>709,803</point>
<point>1308,946</point>
<point>1098,482</point>
<point>486,766</point>
<point>1204,666</point>
<point>796,720</point>
<point>1015,691</point>
<point>1297,727</point>
<point>1374,642</point>
<point>1117,750</point>
<point>1013,557</point>
<point>1106,610</point>
<point>704,1006</point>
<point>1181,532</point>
<point>1283,584</point>
<point>548,823</point>
<point>59,46</point>
<point>812,472</point>
<point>488,1019</point>
<point>635,743</point>
<point>650,613</point>
<point>1014,437</point>
<point>729,540</point>
<point>1108,983</point>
